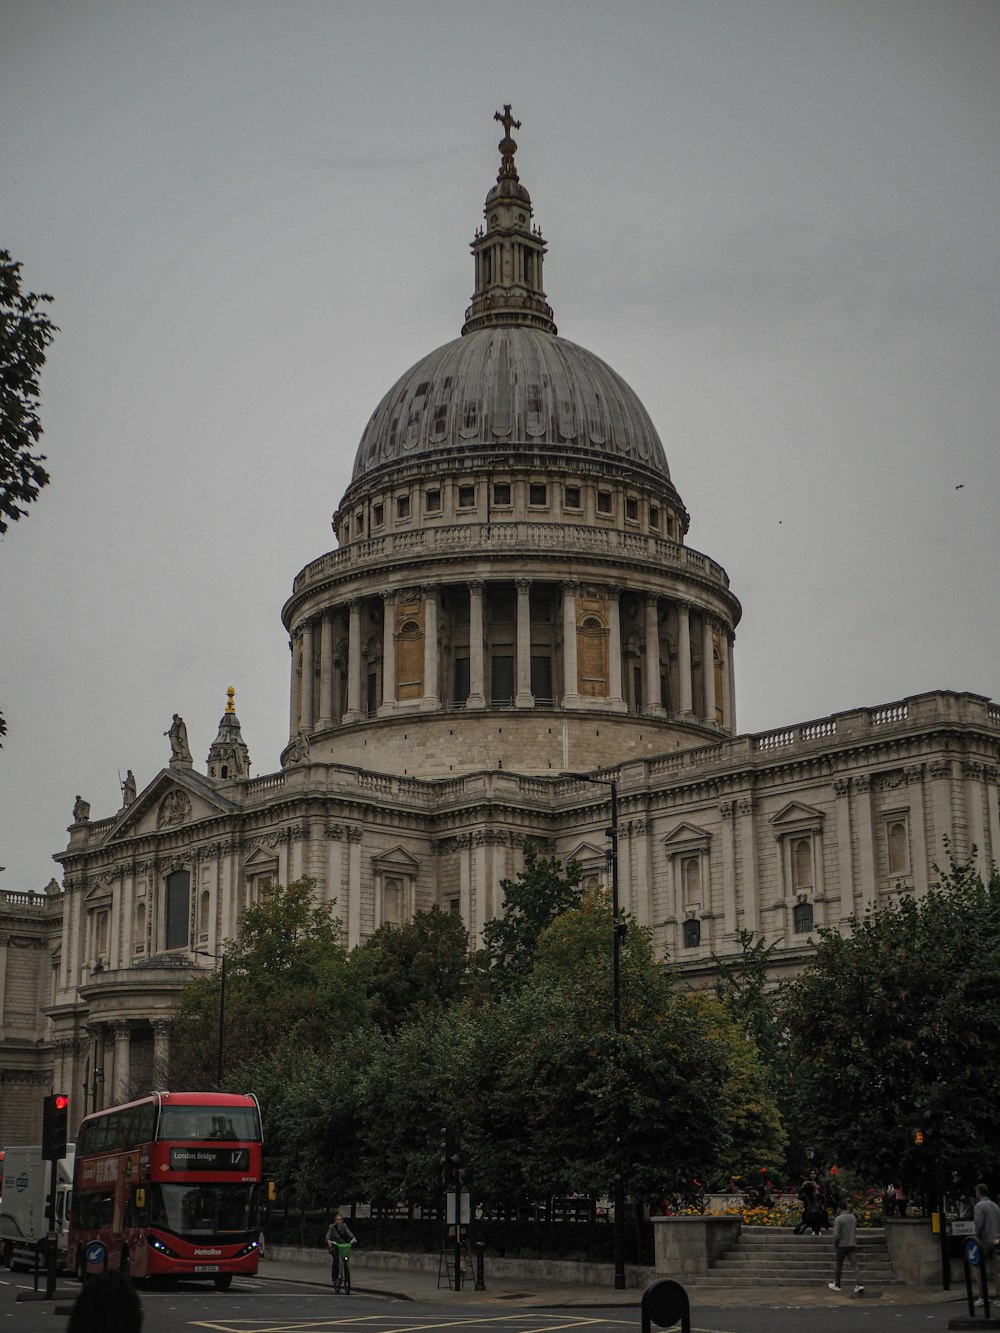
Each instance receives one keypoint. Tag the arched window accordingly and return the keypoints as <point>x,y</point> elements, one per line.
<point>802,918</point>
<point>101,923</point>
<point>899,847</point>
<point>203,911</point>
<point>177,932</point>
<point>391,903</point>
<point>802,876</point>
<point>691,874</point>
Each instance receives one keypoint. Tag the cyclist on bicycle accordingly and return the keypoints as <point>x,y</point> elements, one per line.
<point>340,1234</point>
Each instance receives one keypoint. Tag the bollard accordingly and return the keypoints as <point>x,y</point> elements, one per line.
<point>480,1253</point>
<point>666,1303</point>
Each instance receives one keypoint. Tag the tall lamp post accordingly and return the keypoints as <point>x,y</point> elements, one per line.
<point>220,958</point>
<point>618,929</point>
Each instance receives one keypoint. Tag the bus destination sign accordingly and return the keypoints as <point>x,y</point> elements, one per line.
<point>209,1159</point>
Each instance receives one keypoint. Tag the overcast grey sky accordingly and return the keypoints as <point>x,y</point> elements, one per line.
<point>777,219</point>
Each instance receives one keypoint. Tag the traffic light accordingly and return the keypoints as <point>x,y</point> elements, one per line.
<point>918,1137</point>
<point>55,1118</point>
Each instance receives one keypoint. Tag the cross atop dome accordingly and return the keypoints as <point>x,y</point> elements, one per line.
<point>507,145</point>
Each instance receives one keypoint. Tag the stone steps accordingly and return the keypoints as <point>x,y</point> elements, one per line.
<point>769,1257</point>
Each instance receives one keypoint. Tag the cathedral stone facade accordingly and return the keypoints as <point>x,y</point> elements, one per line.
<point>511,601</point>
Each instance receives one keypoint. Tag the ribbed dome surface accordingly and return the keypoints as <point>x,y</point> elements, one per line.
<point>513,387</point>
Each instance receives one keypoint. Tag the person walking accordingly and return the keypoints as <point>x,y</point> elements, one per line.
<point>845,1246</point>
<point>986,1216</point>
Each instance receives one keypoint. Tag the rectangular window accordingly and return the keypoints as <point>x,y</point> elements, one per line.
<point>403,506</point>
<point>432,502</point>
<point>604,502</point>
<point>359,521</point>
<point>501,493</point>
<point>178,896</point>
<point>378,515</point>
<point>632,508</point>
<point>541,679</point>
<point>692,934</point>
<point>502,680</point>
<point>466,497</point>
<point>460,693</point>
<point>538,493</point>
<point>571,497</point>
<point>654,517</point>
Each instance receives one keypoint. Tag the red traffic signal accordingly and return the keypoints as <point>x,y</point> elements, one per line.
<point>55,1118</point>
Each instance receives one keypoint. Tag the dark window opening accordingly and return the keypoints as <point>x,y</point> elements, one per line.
<point>692,934</point>
<point>378,515</point>
<point>631,508</point>
<point>654,516</point>
<point>541,679</point>
<point>466,497</point>
<point>462,681</point>
<point>403,506</point>
<point>537,493</point>
<point>802,918</point>
<point>502,680</point>
<point>433,502</point>
<point>604,502</point>
<point>501,493</point>
<point>572,497</point>
<point>178,900</point>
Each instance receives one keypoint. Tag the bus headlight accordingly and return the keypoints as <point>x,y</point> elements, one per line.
<point>160,1247</point>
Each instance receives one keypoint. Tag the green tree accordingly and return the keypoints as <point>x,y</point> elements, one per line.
<point>900,1015</point>
<point>541,892</point>
<point>25,333</point>
<point>406,969</point>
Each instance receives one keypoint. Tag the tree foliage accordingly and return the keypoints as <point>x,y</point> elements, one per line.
<point>422,964</point>
<point>542,891</point>
<point>901,1016</point>
<point>25,333</point>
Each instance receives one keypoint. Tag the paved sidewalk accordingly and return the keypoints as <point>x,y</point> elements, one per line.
<point>530,1291</point>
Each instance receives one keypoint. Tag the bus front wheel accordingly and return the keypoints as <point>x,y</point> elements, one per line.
<point>223,1282</point>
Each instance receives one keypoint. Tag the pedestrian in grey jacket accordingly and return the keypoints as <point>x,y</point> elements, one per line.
<point>845,1246</point>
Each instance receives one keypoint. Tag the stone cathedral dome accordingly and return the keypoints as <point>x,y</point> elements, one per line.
<point>509,382</point>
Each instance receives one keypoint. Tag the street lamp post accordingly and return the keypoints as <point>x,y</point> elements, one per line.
<point>617,933</point>
<point>220,958</point>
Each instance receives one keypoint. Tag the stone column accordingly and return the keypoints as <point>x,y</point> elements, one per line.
<point>914,776</point>
<point>293,689</point>
<point>477,699</point>
<point>727,812</point>
<point>571,693</point>
<point>731,681</point>
<point>866,840</point>
<point>388,704</point>
<point>707,668</point>
<point>653,706</point>
<point>523,697</point>
<point>308,681</point>
<point>326,672</point>
<point>748,864</point>
<point>121,1072</point>
<point>354,713</point>
<point>354,836</point>
<point>161,1052</point>
<point>684,657</point>
<point>615,697</point>
<point>727,708</point>
<point>432,692</point>
<point>845,873</point>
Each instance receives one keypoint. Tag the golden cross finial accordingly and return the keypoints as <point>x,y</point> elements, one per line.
<point>230,696</point>
<point>507,145</point>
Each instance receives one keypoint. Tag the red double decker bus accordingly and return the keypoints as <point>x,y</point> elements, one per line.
<point>170,1185</point>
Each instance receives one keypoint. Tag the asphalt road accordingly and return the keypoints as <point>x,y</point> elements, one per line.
<point>256,1305</point>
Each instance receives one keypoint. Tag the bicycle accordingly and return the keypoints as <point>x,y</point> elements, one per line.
<point>341,1271</point>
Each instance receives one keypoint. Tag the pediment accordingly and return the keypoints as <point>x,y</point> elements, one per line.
<point>685,836</point>
<point>261,859</point>
<point>397,859</point>
<point>174,798</point>
<point>98,894</point>
<point>796,815</point>
<point>586,853</point>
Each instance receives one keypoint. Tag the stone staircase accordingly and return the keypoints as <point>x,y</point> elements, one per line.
<point>776,1257</point>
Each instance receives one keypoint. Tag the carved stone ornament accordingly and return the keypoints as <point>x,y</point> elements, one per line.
<point>913,774</point>
<point>941,768</point>
<point>842,786</point>
<point>862,782</point>
<point>175,808</point>
<point>725,809</point>
<point>971,768</point>
<point>747,805</point>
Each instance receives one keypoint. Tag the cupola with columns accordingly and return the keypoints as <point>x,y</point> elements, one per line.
<point>511,587</point>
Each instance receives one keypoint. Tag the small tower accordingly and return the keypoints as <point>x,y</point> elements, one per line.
<point>509,252</point>
<point>229,757</point>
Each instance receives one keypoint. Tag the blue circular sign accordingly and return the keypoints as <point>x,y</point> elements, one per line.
<point>95,1252</point>
<point>973,1253</point>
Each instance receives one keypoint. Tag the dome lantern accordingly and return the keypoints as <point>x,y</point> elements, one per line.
<point>508,251</point>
